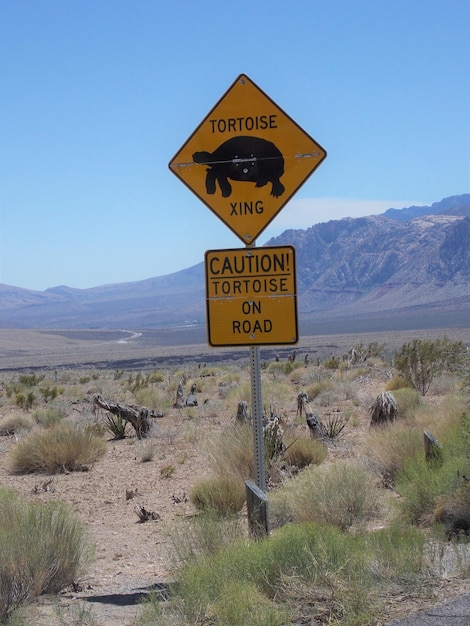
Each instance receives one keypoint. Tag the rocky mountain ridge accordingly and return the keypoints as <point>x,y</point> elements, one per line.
<point>396,265</point>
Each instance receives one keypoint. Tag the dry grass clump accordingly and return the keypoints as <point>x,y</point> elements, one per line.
<point>397,382</point>
<point>304,451</point>
<point>48,416</point>
<point>231,452</point>
<point>408,401</point>
<point>342,495</point>
<point>221,494</point>
<point>389,447</point>
<point>314,389</point>
<point>61,448</point>
<point>203,535</point>
<point>14,423</point>
<point>43,547</point>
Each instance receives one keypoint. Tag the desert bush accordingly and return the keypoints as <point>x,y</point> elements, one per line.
<point>331,396</point>
<point>49,392</point>
<point>408,400</point>
<point>154,398</point>
<point>61,448</point>
<point>221,494</point>
<point>231,452</point>
<point>274,392</point>
<point>341,576</point>
<point>445,384</point>
<point>332,363</point>
<point>304,451</point>
<point>426,485</point>
<point>314,389</point>
<point>276,369</point>
<point>203,536</point>
<point>388,448</point>
<point>25,401</point>
<point>422,484</point>
<point>48,416</point>
<point>342,495</point>
<point>420,361</point>
<point>399,555</point>
<point>396,382</point>
<point>242,603</point>
<point>167,471</point>
<point>43,548</point>
<point>14,424</point>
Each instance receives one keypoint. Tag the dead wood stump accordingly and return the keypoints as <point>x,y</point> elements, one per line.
<point>135,415</point>
<point>384,409</point>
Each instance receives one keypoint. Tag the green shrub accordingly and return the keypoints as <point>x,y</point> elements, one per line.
<point>43,548</point>
<point>341,575</point>
<point>426,486</point>
<point>301,570</point>
<point>422,359</point>
<point>49,392</point>
<point>408,400</point>
<point>398,555</point>
<point>241,603</point>
<point>220,494</point>
<point>48,416</point>
<point>31,380</point>
<point>421,485</point>
<point>61,448</point>
<point>25,401</point>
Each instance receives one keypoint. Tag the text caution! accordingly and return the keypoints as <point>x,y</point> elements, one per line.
<point>251,296</point>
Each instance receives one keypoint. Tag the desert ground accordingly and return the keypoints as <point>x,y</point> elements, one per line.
<point>132,557</point>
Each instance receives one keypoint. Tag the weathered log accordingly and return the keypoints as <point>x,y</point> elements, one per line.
<point>316,427</point>
<point>138,416</point>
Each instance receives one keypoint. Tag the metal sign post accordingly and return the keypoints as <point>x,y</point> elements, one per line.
<point>245,160</point>
<point>257,415</point>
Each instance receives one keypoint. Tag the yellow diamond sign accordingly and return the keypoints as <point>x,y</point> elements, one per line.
<point>246,159</point>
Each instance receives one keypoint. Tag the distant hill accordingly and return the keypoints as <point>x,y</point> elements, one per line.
<point>455,205</point>
<point>408,266</point>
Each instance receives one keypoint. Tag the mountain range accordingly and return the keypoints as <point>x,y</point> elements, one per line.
<point>407,268</point>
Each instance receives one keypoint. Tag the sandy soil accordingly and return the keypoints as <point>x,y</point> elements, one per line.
<point>130,556</point>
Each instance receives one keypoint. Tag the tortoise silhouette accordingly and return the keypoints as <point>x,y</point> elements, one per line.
<point>243,158</point>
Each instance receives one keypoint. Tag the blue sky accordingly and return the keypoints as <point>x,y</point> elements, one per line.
<point>97,97</point>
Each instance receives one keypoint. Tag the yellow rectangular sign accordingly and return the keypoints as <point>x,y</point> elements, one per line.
<point>251,296</point>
